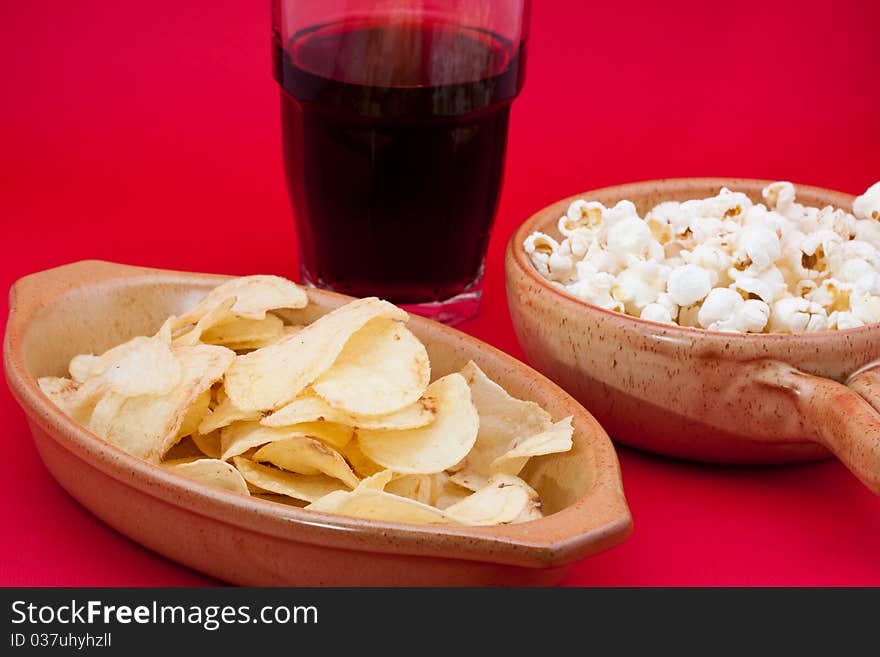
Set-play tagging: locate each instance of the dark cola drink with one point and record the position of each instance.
(394, 137)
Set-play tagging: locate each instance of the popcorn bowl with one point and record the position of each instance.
(698, 394)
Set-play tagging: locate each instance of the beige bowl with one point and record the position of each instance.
(698, 394)
(90, 306)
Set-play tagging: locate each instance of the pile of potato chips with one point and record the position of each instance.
(338, 416)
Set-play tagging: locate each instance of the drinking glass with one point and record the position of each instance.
(394, 118)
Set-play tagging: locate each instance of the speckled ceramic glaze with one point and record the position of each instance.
(90, 306)
(698, 394)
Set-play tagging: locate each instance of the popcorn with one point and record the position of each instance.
(804, 287)
(705, 228)
(842, 320)
(867, 206)
(843, 224)
(578, 245)
(629, 236)
(727, 204)
(817, 244)
(541, 243)
(722, 263)
(623, 210)
(540, 247)
(561, 266)
(711, 257)
(767, 288)
(656, 312)
(861, 275)
(666, 301)
(581, 216)
(752, 316)
(669, 214)
(719, 308)
(597, 291)
(779, 195)
(868, 232)
(689, 284)
(602, 259)
(865, 307)
(759, 246)
(854, 249)
(758, 215)
(725, 310)
(796, 315)
(832, 294)
(639, 285)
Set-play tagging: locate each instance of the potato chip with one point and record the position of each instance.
(331, 502)
(414, 487)
(140, 366)
(310, 408)
(239, 330)
(104, 414)
(308, 488)
(225, 414)
(378, 505)
(469, 479)
(59, 388)
(76, 399)
(87, 366)
(237, 438)
(81, 366)
(251, 345)
(208, 444)
(185, 448)
(166, 331)
(258, 294)
(360, 462)
(376, 481)
(272, 376)
(382, 368)
(146, 367)
(436, 489)
(332, 434)
(215, 315)
(147, 425)
(435, 447)
(445, 492)
(255, 295)
(503, 500)
(212, 472)
(195, 414)
(421, 487)
(555, 439)
(309, 457)
(503, 420)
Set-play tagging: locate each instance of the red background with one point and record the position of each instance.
(148, 133)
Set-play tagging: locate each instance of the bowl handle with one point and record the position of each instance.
(866, 382)
(845, 418)
(33, 291)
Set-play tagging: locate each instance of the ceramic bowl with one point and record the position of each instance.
(696, 394)
(90, 306)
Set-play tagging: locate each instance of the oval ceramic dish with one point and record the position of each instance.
(90, 306)
(696, 394)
